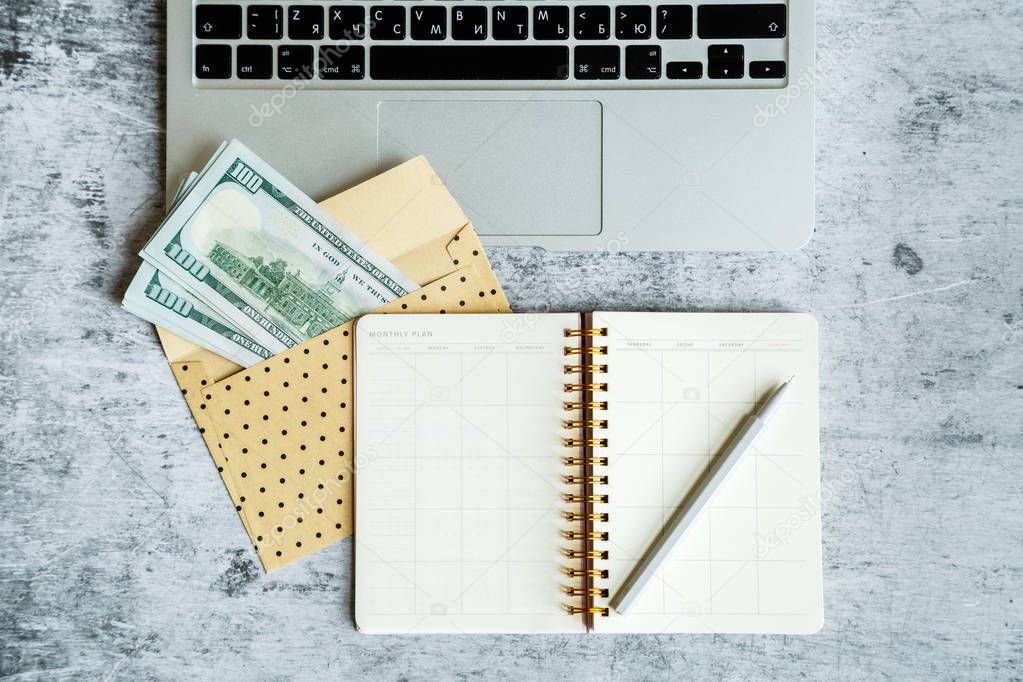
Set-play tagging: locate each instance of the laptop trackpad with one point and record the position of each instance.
(516, 168)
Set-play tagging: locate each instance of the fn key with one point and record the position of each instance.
(213, 61)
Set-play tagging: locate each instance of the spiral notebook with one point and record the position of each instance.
(512, 469)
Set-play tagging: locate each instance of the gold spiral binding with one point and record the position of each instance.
(572, 497)
(576, 610)
(579, 535)
(585, 476)
(584, 423)
(577, 517)
(584, 442)
(573, 388)
(596, 350)
(593, 573)
(586, 553)
(586, 591)
(586, 332)
(580, 461)
(585, 369)
(594, 480)
(585, 405)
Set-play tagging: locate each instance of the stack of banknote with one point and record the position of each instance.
(246, 265)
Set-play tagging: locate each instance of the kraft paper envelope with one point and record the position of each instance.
(280, 432)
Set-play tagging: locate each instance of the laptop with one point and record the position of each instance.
(572, 125)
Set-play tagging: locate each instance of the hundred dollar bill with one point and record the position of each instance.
(155, 299)
(255, 249)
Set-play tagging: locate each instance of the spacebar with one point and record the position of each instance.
(471, 62)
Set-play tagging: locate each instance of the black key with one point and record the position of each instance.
(213, 61)
(305, 22)
(592, 22)
(674, 22)
(266, 22)
(725, 53)
(642, 62)
(295, 61)
(347, 22)
(218, 22)
(632, 22)
(255, 61)
(387, 22)
(740, 21)
(511, 23)
(469, 23)
(725, 61)
(468, 62)
(550, 22)
(767, 69)
(724, 69)
(429, 23)
(343, 62)
(684, 70)
(597, 62)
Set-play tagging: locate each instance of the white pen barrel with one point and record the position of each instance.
(686, 514)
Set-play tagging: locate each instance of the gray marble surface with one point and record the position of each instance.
(122, 557)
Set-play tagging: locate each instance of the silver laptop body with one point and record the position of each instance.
(582, 126)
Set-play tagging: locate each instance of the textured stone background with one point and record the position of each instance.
(122, 558)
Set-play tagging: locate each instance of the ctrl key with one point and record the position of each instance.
(597, 62)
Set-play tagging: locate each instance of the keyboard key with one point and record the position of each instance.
(387, 22)
(725, 53)
(255, 61)
(295, 61)
(767, 69)
(347, 22)
(266, 22)
(469, 23)
(218, 22)
(674, 22)
(684, 70)
(632, 22)
(724, 69)
(305, 22)
(597, 62)
(740, 21)
(429, 23)
(213, 61)
(468, 62)
(343, 62)
(511, 23)
(642, 62)
(550, 22)
(592, 22)
(725, 61)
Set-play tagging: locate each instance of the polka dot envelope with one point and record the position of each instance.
(280, 432)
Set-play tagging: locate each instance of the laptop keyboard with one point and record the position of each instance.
(483, 43)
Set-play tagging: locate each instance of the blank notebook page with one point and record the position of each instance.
(679, 384)
(458, 481)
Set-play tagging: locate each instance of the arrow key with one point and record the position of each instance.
(684, 70)
(725, 61)
(724, 69)
(767, 69)
(725, 53)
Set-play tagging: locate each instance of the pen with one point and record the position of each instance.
(696, 501)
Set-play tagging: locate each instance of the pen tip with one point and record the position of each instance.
(789, 380)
